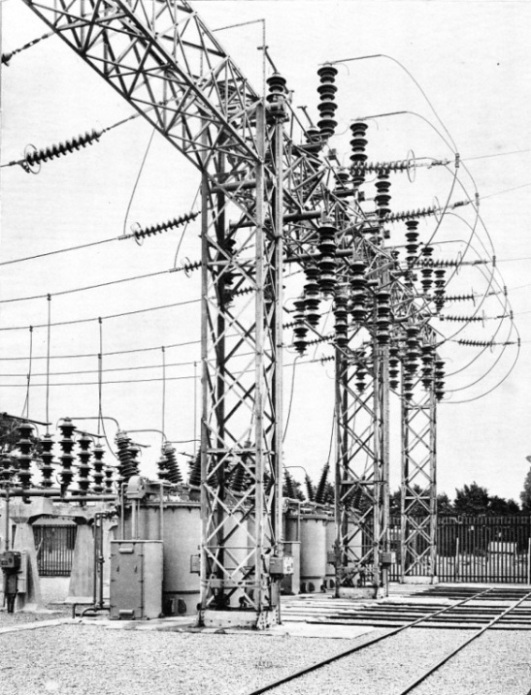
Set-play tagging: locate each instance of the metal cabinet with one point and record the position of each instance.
(136, 579)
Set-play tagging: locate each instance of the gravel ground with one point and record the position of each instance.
(91, 660)
(497, 664)
(51, 613)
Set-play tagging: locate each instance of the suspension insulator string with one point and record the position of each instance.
(142, 232)
(33, 157)
(6, 57)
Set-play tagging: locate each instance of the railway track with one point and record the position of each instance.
(494, 614)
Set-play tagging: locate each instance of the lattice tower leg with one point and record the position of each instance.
(418, 504)
(241, 401)
(362, 468)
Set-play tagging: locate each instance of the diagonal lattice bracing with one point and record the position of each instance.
(418, 488)
(361, 474)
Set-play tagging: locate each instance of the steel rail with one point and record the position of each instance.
(352, 650)
(461, 646)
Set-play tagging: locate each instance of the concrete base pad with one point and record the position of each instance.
(360, 592)
(240, 619)
(421, 580)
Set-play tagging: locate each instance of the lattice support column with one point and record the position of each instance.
(419, 485)
(242, 389)
(362, 466)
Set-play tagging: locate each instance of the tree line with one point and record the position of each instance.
(469, 500)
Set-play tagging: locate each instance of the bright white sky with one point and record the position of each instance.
(473, 60)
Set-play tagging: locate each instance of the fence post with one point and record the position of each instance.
(529, 559)
(456, 563)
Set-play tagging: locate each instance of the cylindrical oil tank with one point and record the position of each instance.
(181, 534)
(291, 520)
(313, 551)
(330, 578)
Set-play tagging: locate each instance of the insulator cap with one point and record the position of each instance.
(67, 427)
(327, 73)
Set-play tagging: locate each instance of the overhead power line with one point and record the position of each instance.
(103, 318)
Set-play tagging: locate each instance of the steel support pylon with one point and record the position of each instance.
(362, 476)
(418, 503)
(242, 391)
(162, 59)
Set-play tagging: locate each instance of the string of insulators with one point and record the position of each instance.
(341, 317)
(238, 480)
(464, 319)
(143, 232)
(300, 329)
(427, 354)
(484, 343)
(311, 296)
(358, 284)
(412, 241)
(320, 491)
(63, 148)
(438, 263)
(439, 378)
(127, 454)
(412, 353)
(383, 317)
(410, 214)
(6, 57)
(360, 375)
(109, 478)
(407, 386)
(460, 298)
(195, 471)
(382, 197)
(162, 467)
(67, 444)
(327, 106)
(395, 165)
(98, 464)
(174, 474)
(47, 467)
(427, 269)
(358, 143)
(439, 293)
(83, 467)
(327, 258)
(277, 97)
(394, 366)
(24, 459)
(6, 470)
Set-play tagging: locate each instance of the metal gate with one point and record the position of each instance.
(477, 549)
(55, 540)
